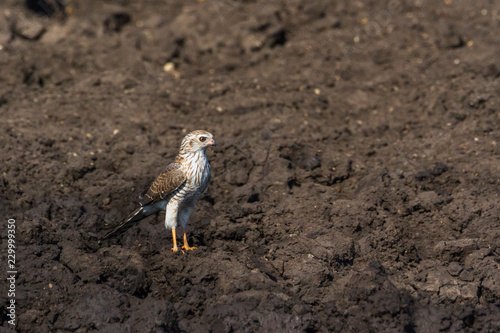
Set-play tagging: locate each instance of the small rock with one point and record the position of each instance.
(466, 276)
(472, 259)
(454, 269)
(28, 29)
(429, 174)
(451, 250)
(169, 67)
(491, 287)
(251, 43)
(468, 290)
(450, 292)
(424, 201)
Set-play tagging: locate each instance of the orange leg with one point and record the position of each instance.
(186, 245)
(175, 249)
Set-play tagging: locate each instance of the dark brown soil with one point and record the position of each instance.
(355, 182)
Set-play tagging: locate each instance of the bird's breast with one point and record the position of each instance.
(197, 170)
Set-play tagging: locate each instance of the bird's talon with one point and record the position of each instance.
(189, 248)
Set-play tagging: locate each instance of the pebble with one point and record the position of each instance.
(28, 29)
(454, 268)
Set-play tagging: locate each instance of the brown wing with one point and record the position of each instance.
(166, 183)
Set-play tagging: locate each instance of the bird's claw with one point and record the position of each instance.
(189, 248)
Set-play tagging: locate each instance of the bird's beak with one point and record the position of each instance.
(210, 143)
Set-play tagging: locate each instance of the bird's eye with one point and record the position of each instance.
(203, 139)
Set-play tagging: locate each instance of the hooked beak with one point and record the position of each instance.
(210, 143)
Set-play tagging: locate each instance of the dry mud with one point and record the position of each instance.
(355, 180)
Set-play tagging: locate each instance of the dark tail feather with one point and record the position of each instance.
(135, 216)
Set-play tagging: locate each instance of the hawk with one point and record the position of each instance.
(177, 189)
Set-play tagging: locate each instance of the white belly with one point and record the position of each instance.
(179, 208)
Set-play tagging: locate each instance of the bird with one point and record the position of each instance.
(177, 189)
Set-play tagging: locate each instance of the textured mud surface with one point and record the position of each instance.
(355, 180)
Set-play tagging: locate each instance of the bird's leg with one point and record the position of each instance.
(186, 245)
(174, 238)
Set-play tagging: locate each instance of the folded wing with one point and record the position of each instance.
(164, 185)
(171, 179)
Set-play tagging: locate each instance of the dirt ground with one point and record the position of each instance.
(355, 182)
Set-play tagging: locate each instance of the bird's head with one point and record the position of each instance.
(196, 141)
